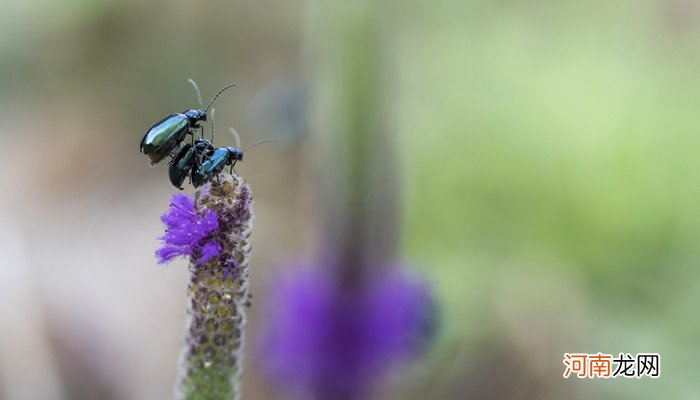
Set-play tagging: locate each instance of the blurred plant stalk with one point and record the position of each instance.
(337, 327)
(354, 135)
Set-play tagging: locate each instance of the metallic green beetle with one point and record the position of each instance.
(165, 136)
(187, 160)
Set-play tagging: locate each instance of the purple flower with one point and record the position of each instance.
(188, 233)
(330, 342)
(209, 250)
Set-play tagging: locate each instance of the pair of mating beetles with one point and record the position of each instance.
(199, 160)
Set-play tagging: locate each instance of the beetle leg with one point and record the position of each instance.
(233, 164)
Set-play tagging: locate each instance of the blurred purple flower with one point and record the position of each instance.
(188, 233)
(330, 342)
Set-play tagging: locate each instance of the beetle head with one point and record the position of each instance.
(235, 154)
(196, 115)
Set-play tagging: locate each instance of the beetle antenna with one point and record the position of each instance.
(212, 125)
(235, 135)
(217, 95)
(257, 143)
(196, 89)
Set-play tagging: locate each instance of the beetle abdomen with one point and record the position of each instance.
(164, 136)
(181, 165)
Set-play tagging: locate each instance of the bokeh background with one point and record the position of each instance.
(550, 186)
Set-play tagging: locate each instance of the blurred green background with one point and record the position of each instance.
(549, 168)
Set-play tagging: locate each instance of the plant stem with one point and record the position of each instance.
(218, 294)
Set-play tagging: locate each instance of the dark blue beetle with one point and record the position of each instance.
(218, 159)
(164, 137)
